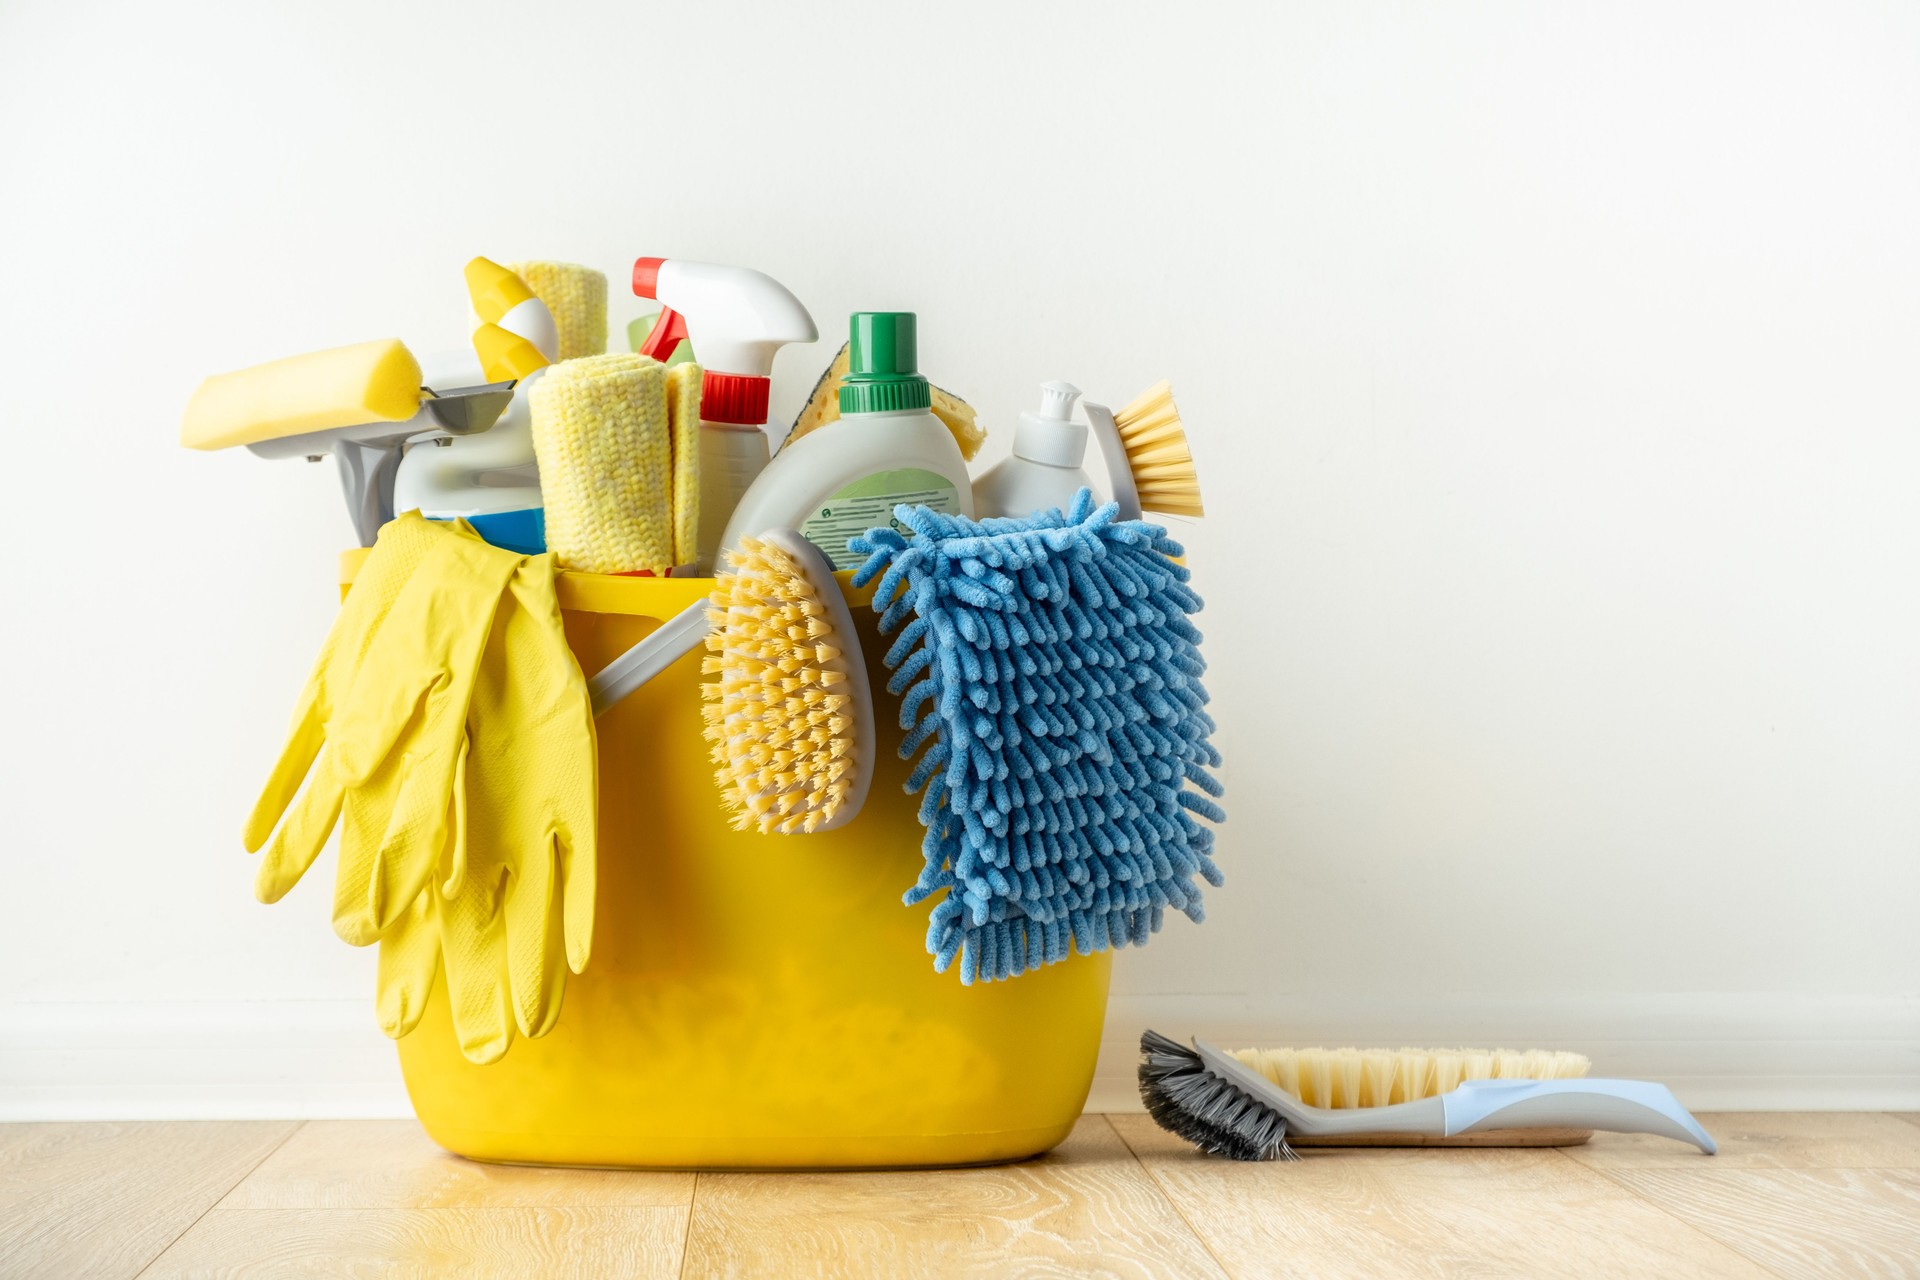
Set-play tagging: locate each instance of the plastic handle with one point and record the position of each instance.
(1617, 1106)
(666, 645)
(667, 333)
(1113, 451)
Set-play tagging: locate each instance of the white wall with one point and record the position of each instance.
(1551, 374)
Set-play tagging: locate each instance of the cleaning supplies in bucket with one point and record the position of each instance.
(446, 730)
(1044, 469)
(1049, 675)
(736, 320)
(1225, 1107)
(887, 448)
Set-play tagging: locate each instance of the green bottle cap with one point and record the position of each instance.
(883, 368)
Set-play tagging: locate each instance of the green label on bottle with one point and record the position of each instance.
(869, 501)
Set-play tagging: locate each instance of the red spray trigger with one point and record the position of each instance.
(668, 330)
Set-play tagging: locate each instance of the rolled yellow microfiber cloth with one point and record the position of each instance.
(577, 296)
(602, 436)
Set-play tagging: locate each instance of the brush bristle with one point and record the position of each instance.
(1158, 454)
(780, 733)
(1190, 1102)
(1340, 1078)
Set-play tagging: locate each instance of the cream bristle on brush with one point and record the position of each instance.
(1145, 450)
(603, 440)
(1355, 1078)
(789, 712)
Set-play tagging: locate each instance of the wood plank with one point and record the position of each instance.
(393, 1164)
(1825, 1223)
(1384, 1212)
(1769, 1140)
(1085, 1208)
(101, 1200)
(474, 1244)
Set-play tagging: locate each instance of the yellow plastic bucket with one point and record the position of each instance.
(756, 1001)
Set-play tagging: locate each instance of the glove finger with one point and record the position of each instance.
(301, 837)
(473, 951)
(409, 959)
(303, 745)
(453, 866)
(535, 951)
(574, 849)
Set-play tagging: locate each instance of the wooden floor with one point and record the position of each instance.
(1833, 1194)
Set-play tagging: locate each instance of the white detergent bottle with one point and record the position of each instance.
(1044, 470)
(886, 448)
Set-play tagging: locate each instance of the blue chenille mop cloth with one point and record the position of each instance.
(1049, 670)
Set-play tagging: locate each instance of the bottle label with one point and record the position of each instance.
(868, 502)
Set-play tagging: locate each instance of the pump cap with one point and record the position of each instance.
(1051, 436)
(883, 366)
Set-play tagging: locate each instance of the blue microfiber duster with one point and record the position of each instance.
(1063, 723)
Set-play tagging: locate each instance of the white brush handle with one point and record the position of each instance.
(664, 646)
(1616, 1106)
(1113, 451)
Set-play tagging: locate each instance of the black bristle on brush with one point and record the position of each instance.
(1190, 1102)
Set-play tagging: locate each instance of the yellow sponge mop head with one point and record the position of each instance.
(600, 432)
(341, 387)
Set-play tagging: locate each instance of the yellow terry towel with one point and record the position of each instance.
(601, 433)
(683, 415)
(577, 296)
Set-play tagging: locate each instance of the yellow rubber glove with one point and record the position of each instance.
(517, 912)
(403, 543)
(392, 745)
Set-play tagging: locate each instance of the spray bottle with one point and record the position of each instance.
(1044, 470)
(735, 319)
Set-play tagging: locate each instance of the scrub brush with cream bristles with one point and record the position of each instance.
(1148, 461)
(789, 712)
(1255, 1104)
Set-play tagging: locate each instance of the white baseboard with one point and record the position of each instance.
(198, 1061)
(328, 1058)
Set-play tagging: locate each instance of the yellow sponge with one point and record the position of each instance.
(577, 296)
(341, 387)
(823, 406)
(683, 420)
(600, 432)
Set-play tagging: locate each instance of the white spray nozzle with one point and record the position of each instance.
(736, 317)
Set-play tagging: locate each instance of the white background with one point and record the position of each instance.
(1551, 371)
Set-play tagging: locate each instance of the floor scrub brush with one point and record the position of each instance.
(790, 712)
(1224, 1106)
